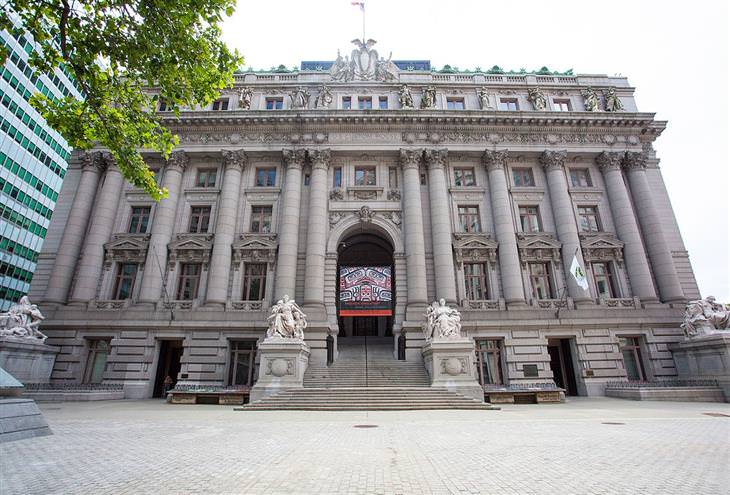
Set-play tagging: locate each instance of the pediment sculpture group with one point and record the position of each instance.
(705, 317)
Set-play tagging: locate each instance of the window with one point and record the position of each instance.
(265, 177)
(163, 106)
(509, 104)
(489, 361)
(364, 103)
(307, 179)
(530, 219)
(96, 361)
(464, 177)
(274, 103)
(188, 281)
(243, 359)
(199, 219)
(393, 178)
(631, 349)
(383, 103)
(475, 276)
(422, 178)
(221, 104)
(365, 176)
(603, 277)
(139, 220)
(523, 177)
(540, 280)
(205, 177)
(580, 177)
(561, 105)
(337, 177)
(261, 219)
(254, 281)
(455, 103)
(588, 219)
(124, 282)
(346, 102)
(469, 219)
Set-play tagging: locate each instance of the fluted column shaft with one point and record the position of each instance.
(103, 216)
(73, 234)
(413, 226)
(443, 258)
(286, 261)
(316, 228)
(504, 228)
(161, 232)
(637, 266)
(225, 227)
(660, 255)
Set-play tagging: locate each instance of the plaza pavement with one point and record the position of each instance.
(151, 447)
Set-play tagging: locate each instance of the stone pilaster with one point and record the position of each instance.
(413, 226)
(565, 222)
(317, 226)
(103, 215)
(660, 255)
(443, 258)
(225, 227)
(73, 235)
(513, 291)
(163, 225)
(286, 262)
(637, 265)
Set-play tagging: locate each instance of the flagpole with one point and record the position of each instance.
(362, 7)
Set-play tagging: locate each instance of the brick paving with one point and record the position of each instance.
(151, 447)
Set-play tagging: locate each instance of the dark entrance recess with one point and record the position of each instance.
(168, 364)
(561, 363)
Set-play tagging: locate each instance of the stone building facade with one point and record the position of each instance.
(479, 188)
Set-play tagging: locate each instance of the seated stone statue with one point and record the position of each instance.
(22, 320)
(442, 322)
(705, 317)
(286, 321)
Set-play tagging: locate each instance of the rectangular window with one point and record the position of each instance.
(188, 281)
(580, 177)
(530, 219)
(364, 103)
(464, 176)
(139, 220)
(631, 350)
(455, 103)
(254, 281)
(163, 106)
(205, 177)
(383, 103)
(337, 177)
(393, 178)
(221, 104)
(243, 362)
(523, 177)
(274, 103)
(469, 219)
(199, 219)
(588, 219)
(346, 103)
(265, 177)
(422, 178)
(489, 361)
(540, 280)
(261, 219)
(475, 276)
(124, 282)
(509, 104)
(96, 361)
(603, 276)
(365, 176)
(561, 105)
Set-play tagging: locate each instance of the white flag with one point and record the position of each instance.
(578, 274)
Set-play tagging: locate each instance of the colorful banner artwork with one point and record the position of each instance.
(366, 291)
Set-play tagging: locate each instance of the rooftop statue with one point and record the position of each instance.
(22, 320)
(244, 98)
(324, 98)
(363, 64)
(590, 100)
(705, 317)
(299, 97)
(286, 321)
(612, 101)
(537, 98)
(405, 98)
(442, 322)
(428, 100)
(484, 99)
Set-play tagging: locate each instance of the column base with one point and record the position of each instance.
(450, 365)
(283, 363)
(516, 303)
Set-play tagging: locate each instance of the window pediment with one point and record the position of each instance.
(252, 247)
(538, 246)
(190, 248)
(601, 246)
(126, 248)
(474, 247)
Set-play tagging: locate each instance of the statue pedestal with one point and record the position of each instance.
(28, 359)
(282, 366)
(450, 364)
(704, 358)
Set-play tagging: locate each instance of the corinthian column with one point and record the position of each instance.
(627, 230)
(225, 227)
(504, 227)
(413, 226)
(316, 228)
(73, 234)
(665, 272)
(163, 224)
(443, 258)
(286, 261)
(103, 215)
(565, 224)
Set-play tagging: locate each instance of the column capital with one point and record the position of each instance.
(410, 158)
(178, 161)
(495, 159)
(234, 159)
(320, 158)
(294, 158)
(436, 158)
(553, 160)
(635, 160)
(609, 160)
(94, 161)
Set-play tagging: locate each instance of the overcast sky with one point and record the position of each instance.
(674, 52)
